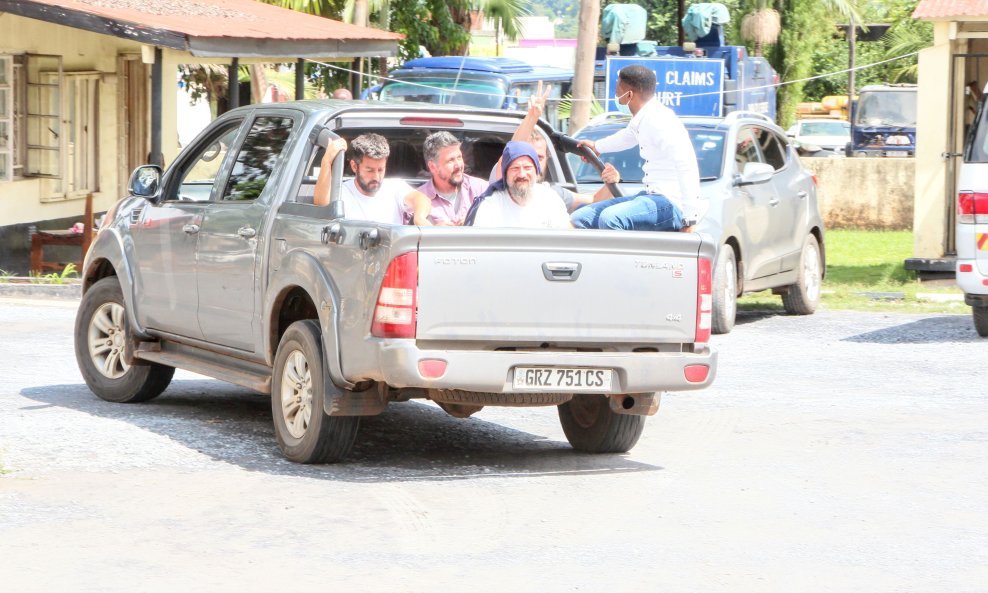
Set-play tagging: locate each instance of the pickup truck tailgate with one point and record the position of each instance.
(527, 286)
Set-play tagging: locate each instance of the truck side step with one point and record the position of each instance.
(236, 371)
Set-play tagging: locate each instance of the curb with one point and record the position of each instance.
(45, 291)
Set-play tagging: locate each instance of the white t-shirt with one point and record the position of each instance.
(670, 165)
(544, 210)
(387, 205)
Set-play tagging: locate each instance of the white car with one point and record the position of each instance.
(763, 211)
(829, 135)
(972, 220)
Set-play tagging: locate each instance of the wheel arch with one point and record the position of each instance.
(735, 244)
(302, 289)
(817, 233)
(108, 257)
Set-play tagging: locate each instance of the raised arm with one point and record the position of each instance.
(325, 180)
(536, 107)
(421, 207)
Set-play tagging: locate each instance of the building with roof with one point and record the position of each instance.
(88, 91)
(953, 73)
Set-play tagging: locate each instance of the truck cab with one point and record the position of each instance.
(884, 121)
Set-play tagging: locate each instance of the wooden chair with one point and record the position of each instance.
(41, 239)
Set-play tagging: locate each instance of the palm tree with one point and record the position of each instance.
(506, 15)
(907, 37)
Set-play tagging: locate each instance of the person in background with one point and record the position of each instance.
(369, 195)
(451, 190)
(670, 200)
(342, 93)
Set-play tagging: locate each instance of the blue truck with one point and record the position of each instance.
(705, 78)
(883, 122)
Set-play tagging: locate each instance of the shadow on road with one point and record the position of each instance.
(931, 330)
(410, 441)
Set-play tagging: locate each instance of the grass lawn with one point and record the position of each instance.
(870, 262)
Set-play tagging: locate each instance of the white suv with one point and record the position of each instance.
(972, 220)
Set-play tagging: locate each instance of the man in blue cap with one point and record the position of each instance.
(518, 199)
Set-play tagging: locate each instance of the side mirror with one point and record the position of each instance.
(808, 149)
(755, 173)
(145, 181)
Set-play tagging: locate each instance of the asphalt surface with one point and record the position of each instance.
(844, 451)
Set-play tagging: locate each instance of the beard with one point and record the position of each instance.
(455, 178)
(370, 187)
(519, 189)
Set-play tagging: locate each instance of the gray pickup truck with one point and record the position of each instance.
(223, 266)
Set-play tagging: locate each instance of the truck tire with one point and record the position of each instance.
(803, 297)
(980, 315)
(725, 291)
(100, 335)
(305, 433)
(591, 426)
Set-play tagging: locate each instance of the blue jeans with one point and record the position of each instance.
(640, 212)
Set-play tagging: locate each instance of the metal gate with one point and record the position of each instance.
(967, 79)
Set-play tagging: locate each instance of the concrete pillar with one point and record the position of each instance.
(933, 95)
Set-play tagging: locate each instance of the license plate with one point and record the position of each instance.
(562, 379)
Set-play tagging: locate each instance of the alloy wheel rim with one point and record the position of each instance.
(106, 341)
(296, 394)
(730, 289)
(811, 270)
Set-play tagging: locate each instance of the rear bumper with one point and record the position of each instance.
(493, 371)
(973, 283)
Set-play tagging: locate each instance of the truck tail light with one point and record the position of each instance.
(704, 300)
(972, 207)
(394, 315)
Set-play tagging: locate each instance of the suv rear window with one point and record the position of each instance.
(977, 140)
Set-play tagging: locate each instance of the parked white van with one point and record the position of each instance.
(972, 219)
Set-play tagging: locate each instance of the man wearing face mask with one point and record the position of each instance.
(670, 201)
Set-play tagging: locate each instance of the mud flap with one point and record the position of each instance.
(343, 402)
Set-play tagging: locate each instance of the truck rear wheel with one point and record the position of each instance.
(100, 336)
(305, 433)
(980, 315)
(803, 297)
(591, 426)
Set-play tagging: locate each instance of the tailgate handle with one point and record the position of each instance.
(561, 271)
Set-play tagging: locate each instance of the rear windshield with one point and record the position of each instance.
(488, 95)
(977, 141)
(708, 145)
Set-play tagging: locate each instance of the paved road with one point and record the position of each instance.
(839, 452)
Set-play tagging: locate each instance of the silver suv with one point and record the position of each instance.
(763, 209)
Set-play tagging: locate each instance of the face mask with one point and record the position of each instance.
(623, 107)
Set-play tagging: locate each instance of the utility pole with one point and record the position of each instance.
(586, 49)
(852, 37)
(681, 12)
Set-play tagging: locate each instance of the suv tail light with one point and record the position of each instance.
(394, 315)
(972, 207)
(704, 300)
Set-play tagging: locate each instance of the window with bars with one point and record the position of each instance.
(49, 123)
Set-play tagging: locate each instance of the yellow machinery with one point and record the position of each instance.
(831, 106)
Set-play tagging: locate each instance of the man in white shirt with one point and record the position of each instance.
(518, 199)
(369, 196)
(670, 201)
